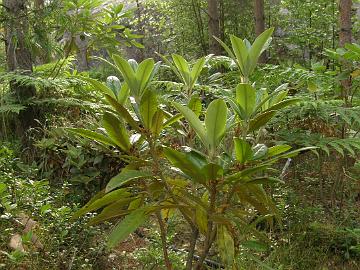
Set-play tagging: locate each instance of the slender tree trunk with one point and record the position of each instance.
(260, 23)
(345, 36)
(214, 26)
(200, 26)
(18, 57)
(345, 22)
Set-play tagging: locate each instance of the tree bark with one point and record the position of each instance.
(259, 23)
(214, 27)
(345, 22)
(345, 36)
(18, 57)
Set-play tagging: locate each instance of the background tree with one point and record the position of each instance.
(259, 22)
(345, 36)
(18, 56)
(214, 26)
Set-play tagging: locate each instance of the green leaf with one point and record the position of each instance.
(196, 70)
(144, 73)
(123, 94)
(173, 119)
(183, 68)
(195, 104)
(128, 225)
(284, 104)
(255, 245)
(116, 131)
(241, 53)
(185, 163)
(277, 92)
(103, 201)
(257, 48)
(278, 97)
(212, 171)
(278, 149)
(201, 219)
(215, 122)
(227, 49)
(123, 113)
(259, 150)
(127, 73)
(260, 120)
(116, 209)
(92, 135)
(194, 122)
(243, 151)
(148, 108)
(226, 245)
(289, 154)
(246, 172)
(246, 98)
(99, 86)
(124, 177)
(157, 122)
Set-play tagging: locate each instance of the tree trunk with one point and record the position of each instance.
(345, 22)
(260, 23)
(82, 42)
(214, 27)
(18, 57)
(345, 37)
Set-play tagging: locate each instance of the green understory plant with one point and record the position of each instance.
(215, 180)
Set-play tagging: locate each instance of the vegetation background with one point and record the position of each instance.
(229, 139)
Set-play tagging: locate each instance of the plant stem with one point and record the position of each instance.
(211, 232)
(190, 258)
(163, 240)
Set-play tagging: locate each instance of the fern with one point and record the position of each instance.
(349, 146)
(11, 108)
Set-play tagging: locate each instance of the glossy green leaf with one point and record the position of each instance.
(246, 98)
(186, 164)
(196, 70)
(246, 172)
(116, 209)
(148, 108)
(226, 246)
(194, 122)
(212, 171)
(116, 131)
(215, 122)
(284, 103)
(260, 151)
(195, 104)
(103, 201)
(127, 72)
(260, 120)
(99, 86)
(124, 113)
(123, 94)
(173, 119)
(143, 74)
(241, 53)
(128, 225)
(157, 122)
(243, 151)
(227, 49)
(124, 177)
(257, 48)
(92, 135)
(183, 68)
(278, 149)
